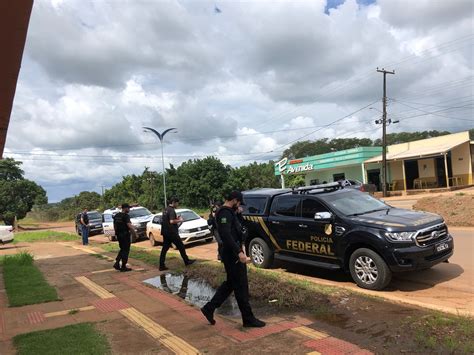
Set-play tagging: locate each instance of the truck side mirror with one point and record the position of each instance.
(323, 216)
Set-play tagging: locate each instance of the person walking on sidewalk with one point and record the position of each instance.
(235, 263)
(170, 231)
(123, 230)
(85, 227)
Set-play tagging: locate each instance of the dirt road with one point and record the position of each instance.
(447, 287)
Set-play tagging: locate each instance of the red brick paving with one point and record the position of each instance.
(222, 326)
(35, 318)
(110, 304)
(334, 346)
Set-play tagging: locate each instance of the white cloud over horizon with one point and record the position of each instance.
(94, 73)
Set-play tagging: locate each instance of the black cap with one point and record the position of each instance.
(235, 195)
(125, 205)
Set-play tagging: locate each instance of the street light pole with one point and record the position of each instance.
(161, 137)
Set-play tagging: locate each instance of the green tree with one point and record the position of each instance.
(17, 194)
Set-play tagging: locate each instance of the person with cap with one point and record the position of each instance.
(84, 221)
(170, 231)
(123, 230)
(235, 263)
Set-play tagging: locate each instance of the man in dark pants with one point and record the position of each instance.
(85, 227)
(123, 228)
(235, 263)
(170, 231)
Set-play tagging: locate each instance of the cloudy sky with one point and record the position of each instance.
(239, 80)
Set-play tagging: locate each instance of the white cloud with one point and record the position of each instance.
(94, 73)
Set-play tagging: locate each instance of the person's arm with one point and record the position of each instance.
(224, 228)
(175, 219)
(130, 227)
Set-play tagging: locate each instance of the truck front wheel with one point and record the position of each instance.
(260, 253)
(369, 270)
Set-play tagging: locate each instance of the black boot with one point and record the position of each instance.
(208, 314)
(255, 323)
(117, 265)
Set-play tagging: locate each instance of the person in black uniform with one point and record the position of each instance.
(170, 231)
(123, 228)
(235, 261)
(212, 223)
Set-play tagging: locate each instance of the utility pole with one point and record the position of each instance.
(384, 130)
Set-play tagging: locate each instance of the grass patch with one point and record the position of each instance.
(24, 282)
(44, 236)
(73, 339)
(437, 330)
(73, 311)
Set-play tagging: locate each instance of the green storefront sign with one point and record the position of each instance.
(341, 158)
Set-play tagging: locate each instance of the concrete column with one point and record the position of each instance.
(446, 168)
(282, 181)
(364, 176)
(404, 176)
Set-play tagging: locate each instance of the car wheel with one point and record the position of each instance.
(153, 242)
(78, 231)
(112, 238)
(369, 270)
(260, 253)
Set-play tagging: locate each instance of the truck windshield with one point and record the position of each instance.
(352, 203)
(139, 212)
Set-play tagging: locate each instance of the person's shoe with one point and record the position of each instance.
(209, 315)
(256, 323)
(117, 266)
(163, 268)
(190, 262)
(125, 269)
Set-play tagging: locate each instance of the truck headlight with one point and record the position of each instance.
(136, 225)
(184, 231)
(400, 236)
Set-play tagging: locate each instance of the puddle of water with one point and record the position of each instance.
(196, 292)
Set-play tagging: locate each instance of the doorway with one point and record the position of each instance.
(441, 171)
(411, 172)
(373, 177)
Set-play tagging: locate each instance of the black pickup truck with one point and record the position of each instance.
(332, 227)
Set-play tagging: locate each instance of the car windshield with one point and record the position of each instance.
(352, 203)
(188, 216)
(139, 212)
(94, 215)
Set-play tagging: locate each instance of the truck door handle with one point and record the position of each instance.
(275, 222)
(303, 225)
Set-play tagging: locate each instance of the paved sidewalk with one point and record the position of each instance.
(140, 319)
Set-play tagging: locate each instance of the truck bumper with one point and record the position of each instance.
(418, 258)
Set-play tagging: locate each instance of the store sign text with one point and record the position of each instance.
(286, 168)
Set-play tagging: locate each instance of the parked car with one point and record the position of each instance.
(6, 234)
(139, 216)
(332, 227)
(193, 229)
(95, 221)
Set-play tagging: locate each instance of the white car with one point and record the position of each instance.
(6, 234)
(193, 229)
(139, 216)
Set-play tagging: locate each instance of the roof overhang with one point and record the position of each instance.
(419, 152)
(14, 19)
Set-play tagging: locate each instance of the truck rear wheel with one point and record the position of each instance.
(260, 253)
(369, 270)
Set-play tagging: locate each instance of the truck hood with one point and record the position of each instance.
(142, 219)
(398, 219)
(196, 223)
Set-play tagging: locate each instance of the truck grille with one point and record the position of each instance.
(431, 235)
(193, 230)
